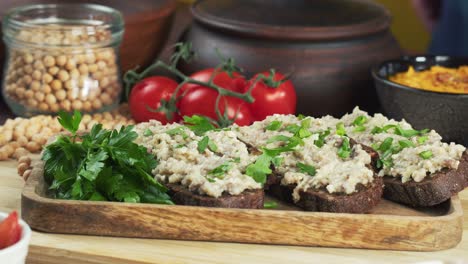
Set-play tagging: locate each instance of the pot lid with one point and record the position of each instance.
(294, 19)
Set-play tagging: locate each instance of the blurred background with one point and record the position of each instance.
(153, 26)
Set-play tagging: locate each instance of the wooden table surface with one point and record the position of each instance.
(53, 248)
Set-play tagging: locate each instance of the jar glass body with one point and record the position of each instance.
(62, 57)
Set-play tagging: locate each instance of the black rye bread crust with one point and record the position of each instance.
(321, 200)
(433, 190)
(252, 199)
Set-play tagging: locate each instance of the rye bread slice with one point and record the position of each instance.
(321, 200)
(433, 190)
(248, 199)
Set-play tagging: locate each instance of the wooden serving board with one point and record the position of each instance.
(390, 226)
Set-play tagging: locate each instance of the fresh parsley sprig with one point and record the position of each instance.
(103, 165)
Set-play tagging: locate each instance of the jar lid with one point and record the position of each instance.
(294, 19)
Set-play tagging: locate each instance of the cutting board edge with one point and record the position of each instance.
(390, 232)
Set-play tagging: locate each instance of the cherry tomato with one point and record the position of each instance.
(270, 100)
(222, 79)
(147, 95)
(202, 100)
(10, 230)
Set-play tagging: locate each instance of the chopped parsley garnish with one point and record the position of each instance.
(409, 132)
(386, 149)
(147, 133)
(422, 139)
(398, 130)
(321, 140)
(274, 125)
(206, 142)
(277, 161)
(220, 170)
(426, 154)
(104, 165)
(261, 167)
(360, 120)
(304, 168)
(386, 144)
(359, 129)
(236, 160)
(359, 123)
(270, 205)
(179, 146)
(406, 143)
(278, 138)
(345, 149)
(292, 128)
(340, 129)
(177, 131)
(301, 116)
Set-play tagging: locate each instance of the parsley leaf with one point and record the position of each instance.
(206, 142)
(220, 170)
(426, 154)
(304, 168)
(340, 129)
(270, 205)
(360, 120)
(293, 128)
(199, 124)
(212, 146)
(177, 131)
(274, 125)
(203, 144)
(409, 132)
(406, 143)
(278, 138)
(359, 129)
(345, 149)
(386, 144)
(147, 133)
(398, 130)
(277, 161)
(422, 139)
(260, 168)
(321, 140)
(69, 122)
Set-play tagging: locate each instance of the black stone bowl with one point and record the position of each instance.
(444, 112)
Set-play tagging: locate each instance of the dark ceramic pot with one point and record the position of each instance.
(328, 45)
(445, 113)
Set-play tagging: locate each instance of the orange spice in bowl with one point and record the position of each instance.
(436, 79)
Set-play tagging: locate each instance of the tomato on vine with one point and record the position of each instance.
(202, 101)
(148, 100)
(273, 94)
(197, 99)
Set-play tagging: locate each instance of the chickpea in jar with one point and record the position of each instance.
(53, 67)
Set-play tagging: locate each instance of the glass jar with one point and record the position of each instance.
(62, 57)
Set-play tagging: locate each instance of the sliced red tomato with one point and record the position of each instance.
(146, 97)
(10, 230)
(271, 100)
